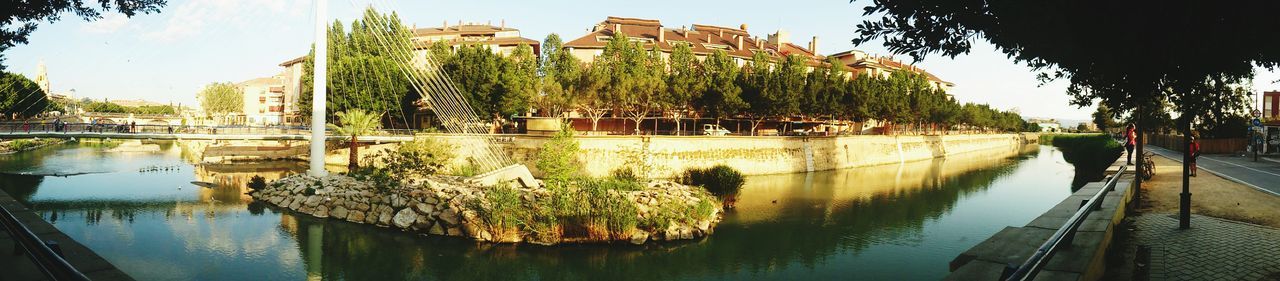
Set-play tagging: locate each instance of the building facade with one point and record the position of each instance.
(264, 100)
(859, 63)
(702, 39)
(501, 39)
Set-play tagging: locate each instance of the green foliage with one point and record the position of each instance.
(257, 183)
(1090, 154)
(1104, 118)
(720, 180)
(355, 123)
(109, 107)
(722, 96)
(221, 98)
(420, 157)
(495, 86)
(366, 68)
(558, 157)
(20, 96)
(20, 17)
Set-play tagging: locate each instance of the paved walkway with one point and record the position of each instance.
(20, 267)
(1213, 249)
(1261, 175)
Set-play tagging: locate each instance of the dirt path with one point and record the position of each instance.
(1210, 195)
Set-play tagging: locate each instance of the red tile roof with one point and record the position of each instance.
(703, 39)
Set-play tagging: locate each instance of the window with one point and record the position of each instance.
(1267, 107)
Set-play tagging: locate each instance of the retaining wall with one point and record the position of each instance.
(752, 155)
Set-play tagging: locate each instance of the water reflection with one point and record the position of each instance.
(893, 221)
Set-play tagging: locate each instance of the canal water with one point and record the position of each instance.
(892, 222)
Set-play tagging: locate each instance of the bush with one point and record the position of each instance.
(720, 180)
(558, 157)
(420, 157)
(257, 183)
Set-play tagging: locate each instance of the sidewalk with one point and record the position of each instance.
(1234, 235)
(1263, 175)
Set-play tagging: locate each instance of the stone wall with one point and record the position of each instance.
(672, 155)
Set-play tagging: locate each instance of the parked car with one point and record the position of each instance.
(713, 130)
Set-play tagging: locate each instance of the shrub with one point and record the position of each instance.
(558, 157)
(257, 183)
(720, 180)
(624, 174)
(502, 209)
(420, 157)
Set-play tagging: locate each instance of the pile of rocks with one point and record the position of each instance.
(438, 205)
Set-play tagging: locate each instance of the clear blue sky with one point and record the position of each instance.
(167, 57)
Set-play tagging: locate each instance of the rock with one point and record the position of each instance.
(372, 217)
(384, 216)
(313, 200)
(436, 230)
(449, 216)
(338, 212)
(295, 204)
(454, 231)
(424, 208)
(337, 202)
(362, 207)
(275, 200)
(321, 212)
(639, 237)
(431, 199)
(423, 222)
(305, 209)
(285, 202)
(355, 216)
(404, 218)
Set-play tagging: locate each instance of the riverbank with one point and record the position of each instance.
(17, 266)
(448, 206)
(20, 145)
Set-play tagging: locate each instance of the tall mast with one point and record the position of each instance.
(320, 76)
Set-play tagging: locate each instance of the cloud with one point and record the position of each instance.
(107, 24)
(195, 17)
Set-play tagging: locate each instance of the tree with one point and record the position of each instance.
(634, 76)
(20, 97)
(518, 85)
(20, 18)
(367, 68)
(221, 98)
(1104, 119)
(559, 73)
(353, 124)
(722, 96)
(685, 83)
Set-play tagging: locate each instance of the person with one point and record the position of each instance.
(133, 126)
(1195, 153)
(1130, 141)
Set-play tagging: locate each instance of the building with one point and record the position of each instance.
(42, 78)
(859, 63)
(1047, 125)
(264, 100)
(702, 39)
(292, 75)
(501, 39)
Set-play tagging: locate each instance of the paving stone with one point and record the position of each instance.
(1213, 249)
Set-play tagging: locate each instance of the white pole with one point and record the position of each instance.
(317, 97)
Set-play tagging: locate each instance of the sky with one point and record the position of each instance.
(167, 57)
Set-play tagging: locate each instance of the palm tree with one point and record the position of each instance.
(355, 122)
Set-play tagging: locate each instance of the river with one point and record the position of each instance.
(892, 222)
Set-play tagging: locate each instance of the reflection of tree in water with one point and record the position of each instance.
(20, 187)
(813, 230)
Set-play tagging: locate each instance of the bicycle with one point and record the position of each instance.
(1148, 166)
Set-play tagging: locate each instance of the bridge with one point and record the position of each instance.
(15, 130)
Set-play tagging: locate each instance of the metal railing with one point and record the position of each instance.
(46, 255)
(1063, 237)
(17, 127)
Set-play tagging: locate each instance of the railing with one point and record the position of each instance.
(1062, 238)
(16, 127)
(46, 255)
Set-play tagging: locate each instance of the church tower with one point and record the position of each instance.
(42, 78)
